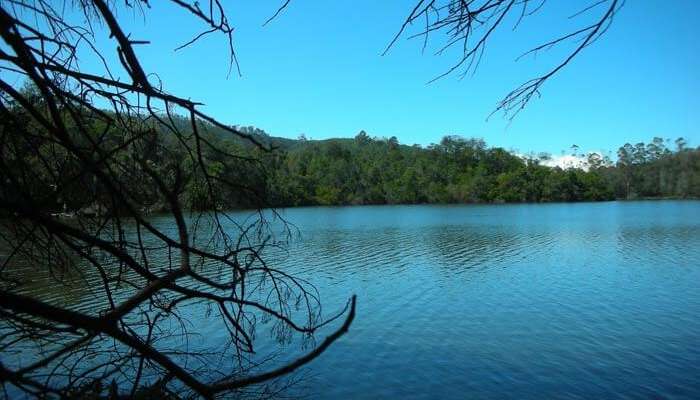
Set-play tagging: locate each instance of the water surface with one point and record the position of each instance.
(565, 301)
(594, 300)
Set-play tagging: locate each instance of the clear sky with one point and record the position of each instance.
(317, 70)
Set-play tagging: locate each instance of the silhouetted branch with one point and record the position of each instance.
(470, 25)
(84, 155)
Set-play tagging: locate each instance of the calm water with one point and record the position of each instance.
(516, 301)
(596, 300)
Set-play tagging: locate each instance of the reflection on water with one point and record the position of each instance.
(516, 301)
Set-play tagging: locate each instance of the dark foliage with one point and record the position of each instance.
(78, 182)
(458, 170)
(371, 170)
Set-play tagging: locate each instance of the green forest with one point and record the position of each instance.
(350, 171)
(367, 170)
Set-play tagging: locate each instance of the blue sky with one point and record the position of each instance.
(317, 70)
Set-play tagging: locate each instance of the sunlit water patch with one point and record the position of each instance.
(574, 301)
(515, 301)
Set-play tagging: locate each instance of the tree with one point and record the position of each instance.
(656, 149)
(362, 138)
(393, 143)
(468, 26)
(574, 150)
(680, 144)
(624, 163)
(594, 160)
(110, 145)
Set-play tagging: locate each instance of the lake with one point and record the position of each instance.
(587, 300)
(531, 301)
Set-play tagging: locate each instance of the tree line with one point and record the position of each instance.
(363, 170)
(367, 170)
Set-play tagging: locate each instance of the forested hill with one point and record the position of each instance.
(359, 170)
(368, 170)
